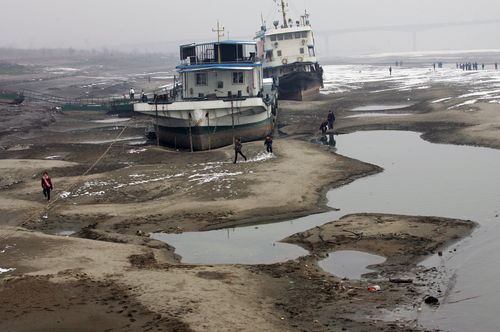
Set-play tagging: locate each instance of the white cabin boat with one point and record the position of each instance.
(221, 95)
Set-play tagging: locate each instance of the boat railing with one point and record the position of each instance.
(194, 60)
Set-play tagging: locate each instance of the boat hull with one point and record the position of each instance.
(301, 86)
(206, 125)
(206, 138)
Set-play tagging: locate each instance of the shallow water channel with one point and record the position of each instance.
(419, 178)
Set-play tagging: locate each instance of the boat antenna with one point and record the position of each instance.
(220, 33)
(283, 9)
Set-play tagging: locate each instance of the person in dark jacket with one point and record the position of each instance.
(237, 150)
(331, 119)
(324, 127)
(269, 144)
(46, 185)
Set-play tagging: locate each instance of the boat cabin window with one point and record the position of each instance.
(279, 53)
(269, 54)
(281, 37)
(311, 51)
(298, 35)
(201, 78)
(238, 77)
(273, 37)
(304, 34)
(288, 36)
(301, 50)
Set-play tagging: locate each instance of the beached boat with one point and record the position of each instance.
(288, 54)
(220, 95)
(11, 98)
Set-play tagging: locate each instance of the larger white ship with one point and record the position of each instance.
(288, 53)
(221, 95)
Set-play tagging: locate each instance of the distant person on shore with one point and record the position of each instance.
(237, 150)
(46, 185)
(269, 144)
(434, 66)
(390, 70)
(132, 93)
(331, 119)
(482, 66)
(323, 127)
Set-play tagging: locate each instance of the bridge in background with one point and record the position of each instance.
(412, 29)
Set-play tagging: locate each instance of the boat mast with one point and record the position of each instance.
(220, 33)
(283, 5)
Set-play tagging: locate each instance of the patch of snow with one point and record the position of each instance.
(2, 270)
(112, 140)
(7, 247)
(112, 120)
(369, 115)
(64, 194)
(441, 100)
(262, 157)
(210, 177)
(136, 151)
(466, 103)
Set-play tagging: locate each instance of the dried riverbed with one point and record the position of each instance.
(140, 189)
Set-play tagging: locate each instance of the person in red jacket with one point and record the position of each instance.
(46, 185)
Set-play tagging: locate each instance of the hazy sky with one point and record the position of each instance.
(140, 24)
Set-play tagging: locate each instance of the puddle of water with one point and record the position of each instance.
(420, 178)
(368, 115)
(218, 247)
(381, 107)
(349, 263)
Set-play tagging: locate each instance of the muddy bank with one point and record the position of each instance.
(150, 189)
(65, 281)
(340, 304)
(431, 112)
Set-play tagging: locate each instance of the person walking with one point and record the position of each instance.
(132, 93)
(269, 144)
(390, 71)
(46, 185)
(237, 150)
(331, 119)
